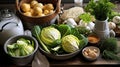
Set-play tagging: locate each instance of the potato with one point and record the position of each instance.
(46, 12)
(48, 6)
(32, 3)
(32, 11)
(28, 14)
(25, 7)
(41, 15)
(51, 11)
(37, 10)
(39, 5)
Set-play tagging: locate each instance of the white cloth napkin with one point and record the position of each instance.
(40, 60)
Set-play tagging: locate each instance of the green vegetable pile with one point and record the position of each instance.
(110, 49)
(59, 39)
(22, 47)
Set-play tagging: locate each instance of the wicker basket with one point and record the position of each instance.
(45, 20)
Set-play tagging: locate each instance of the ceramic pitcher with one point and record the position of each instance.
(102, 29)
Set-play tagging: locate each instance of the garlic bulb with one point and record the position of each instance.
(88, 28)
(111, 25)
(91, 25)
(71, 22)
(84, 24)
(116, 19)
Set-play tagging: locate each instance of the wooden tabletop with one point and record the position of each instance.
(73, 62)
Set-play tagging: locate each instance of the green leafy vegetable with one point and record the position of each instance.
(70, 43)
(36, 31)
(80, 30)
(49, 35)
(83, 41)
(22, 47)
(64, 29)
(75, 42)
(57, 42)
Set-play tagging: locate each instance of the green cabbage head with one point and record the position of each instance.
(49, 35)
(70, 43)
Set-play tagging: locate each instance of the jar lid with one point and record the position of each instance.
(6, 14)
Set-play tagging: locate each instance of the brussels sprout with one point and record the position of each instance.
(70, 43)
(49, 35)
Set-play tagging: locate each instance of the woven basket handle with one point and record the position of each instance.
(17, 5)
(58, 7)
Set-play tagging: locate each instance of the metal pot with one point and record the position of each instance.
(10, 25)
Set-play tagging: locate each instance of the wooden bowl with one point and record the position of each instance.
(34, 20)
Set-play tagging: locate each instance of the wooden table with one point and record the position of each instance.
(76, 61)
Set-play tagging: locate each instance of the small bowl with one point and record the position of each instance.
(93, 39)
(91, 53)
(21, 60)
(59, 57)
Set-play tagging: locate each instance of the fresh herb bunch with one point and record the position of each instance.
(109, 44)
(109, 55)
(110, 49)
(100, 9)
(86, 17)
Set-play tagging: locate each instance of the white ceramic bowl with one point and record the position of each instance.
(91, 53)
